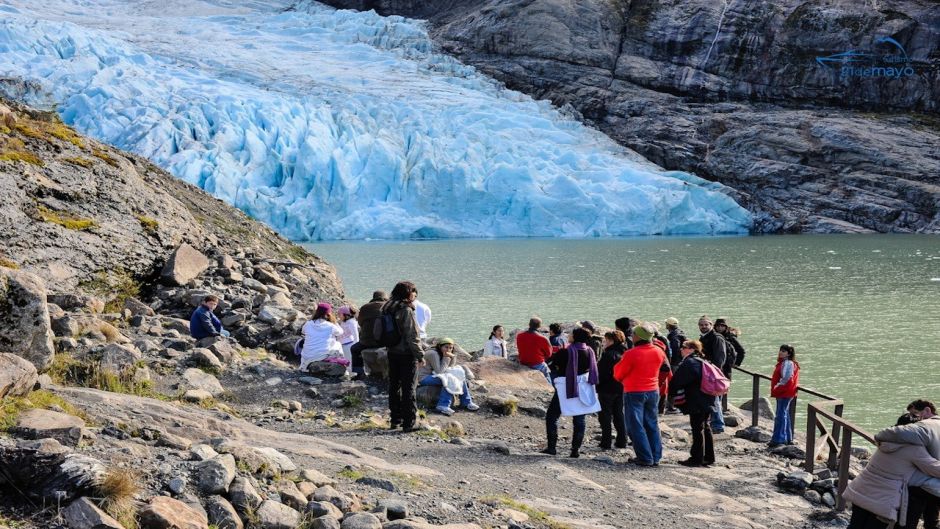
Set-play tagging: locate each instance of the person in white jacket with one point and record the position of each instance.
(350, 327)
(321, 338)
(496, 344)
(423, 317)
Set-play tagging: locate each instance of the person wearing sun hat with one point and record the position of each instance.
(440, 369)
(638, 371)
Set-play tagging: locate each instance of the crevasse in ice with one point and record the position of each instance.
(331, 124)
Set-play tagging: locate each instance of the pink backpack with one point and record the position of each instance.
(714, 382)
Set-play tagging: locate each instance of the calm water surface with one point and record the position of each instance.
(862, 311)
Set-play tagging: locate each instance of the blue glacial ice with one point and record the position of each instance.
(330, 124)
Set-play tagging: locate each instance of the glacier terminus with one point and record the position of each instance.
(331, 124)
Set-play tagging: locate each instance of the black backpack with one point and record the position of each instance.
(386, 330)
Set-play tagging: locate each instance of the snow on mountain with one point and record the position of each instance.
(331, 124)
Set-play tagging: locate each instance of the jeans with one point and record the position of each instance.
(612, 410)
(782, 428)
(640, 412)
(402, 371)
(446, 398)
(718, 417)
(703, 449)
(543, 367)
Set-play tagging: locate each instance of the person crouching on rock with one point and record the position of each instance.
(440, 369)
(321, 338)
(203, 322)
(687, 395)
(569, 363)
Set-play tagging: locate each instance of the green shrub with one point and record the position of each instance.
(66, 220)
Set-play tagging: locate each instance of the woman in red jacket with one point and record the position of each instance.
(783, 386)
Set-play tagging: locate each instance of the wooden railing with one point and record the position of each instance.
(838, 438)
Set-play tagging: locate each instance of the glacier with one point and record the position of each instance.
(332, 124)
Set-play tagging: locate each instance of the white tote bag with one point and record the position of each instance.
(585, 403)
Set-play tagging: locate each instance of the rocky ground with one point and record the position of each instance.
(731, 91)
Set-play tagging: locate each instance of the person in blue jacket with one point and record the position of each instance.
(203, 322)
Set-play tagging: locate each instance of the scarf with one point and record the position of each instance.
(571, 374)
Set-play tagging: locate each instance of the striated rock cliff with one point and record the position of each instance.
(733, 91)
(84, 216)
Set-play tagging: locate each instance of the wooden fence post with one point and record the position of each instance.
(755, 396)
(810, 464)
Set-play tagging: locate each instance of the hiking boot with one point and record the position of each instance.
(472, 407)
(444, 410)
(640, 462)
(691, 463)
(548, 450)
(408, 428)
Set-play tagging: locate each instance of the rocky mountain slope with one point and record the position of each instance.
(733, 92)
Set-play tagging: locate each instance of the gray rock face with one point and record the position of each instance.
(25, 329)
(83, 514)
(48, 471)
(167, 513)
(116, 358)
(764, 408)
(46, 424)
(732, 92)
(222, 514)
(184, 265)
(196, 379)
(273, 515)
(216, 474)
(243, 495)
(361, 520)
(17, 375)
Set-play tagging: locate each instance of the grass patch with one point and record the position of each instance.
(66, 370)
(21, 156)
(6, 263)
(65, 133)
(296, 253)
(352, 401)
(118, 490)
(79, 161)
(104, 157)
(434, 433)
(536, 516)
(351, 474)
(12, 407)
(66, 220)
(148, 224)
(115, 286)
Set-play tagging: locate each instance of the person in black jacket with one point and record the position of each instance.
(676, 338)
(558, 366)
(685, 389)
(714, 349)
(625, 325)
(736, 351)
(404, 357)
(610, 392)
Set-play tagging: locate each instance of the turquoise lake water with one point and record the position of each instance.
(863, 311)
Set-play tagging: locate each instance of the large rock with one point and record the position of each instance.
(83, 514)
(216, 474)
(376, 362)
(222, 514)
(17, 375)
(764, 408)
(273, 515)
(25, 329)
(290, 495)
(49, 472)
(326, 369)
(166, 513)
(361, 520)
(42, 424)
(243, 495)
(184, 265)
(197, 379)
(116, 357)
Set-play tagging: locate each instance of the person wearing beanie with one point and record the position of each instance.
(714, 350)
(534, 349)
(321, 338)
(625, 325)
(368, 313)
(596, 341)
(638, 372)
(440, 369)
(735, 351)
(676, 337)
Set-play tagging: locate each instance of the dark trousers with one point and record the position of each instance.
(612, 409)
(920, 504)
(358, 366)
(551, 424)
(402, 375)
(703, 451)
(863, 519)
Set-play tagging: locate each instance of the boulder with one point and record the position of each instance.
(316, 477)
(83, 514)
(320, 509)
(202, 452)
(427, 396)
(17, 375)
(204, 358)
(278, 460)
(797, 481)
(361, 520)
(196, 379)
(272, 313)
(394, 509)
(166, 513)
(764, 408)
(326, 369)
(77, 302)
(342, 501)
(117, 357)
(25, 329)
(196, 395)
(789, 451)
(753, 433)
(216, 475)
(376, 362)
(243, 495)
(325, 522)
(290, 495)
(48, 471)
(184, 265)
(138, 307)
(221, 513)
(222, 349)
(41, 424)
(273, 515)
